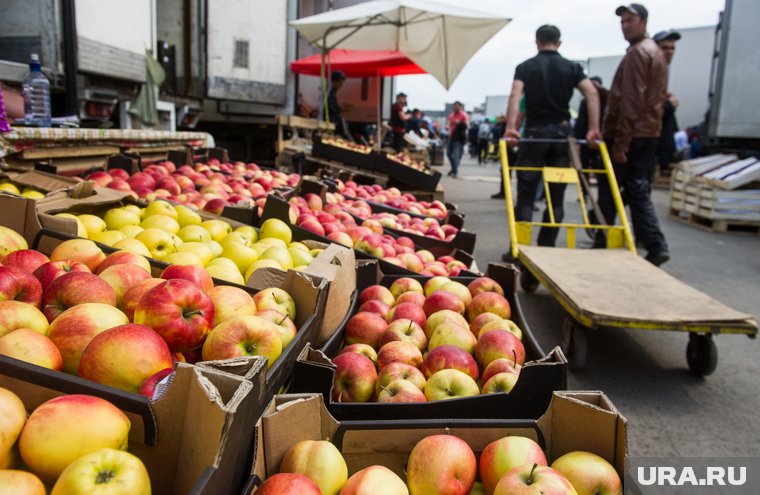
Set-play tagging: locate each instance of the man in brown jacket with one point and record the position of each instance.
(632, 126)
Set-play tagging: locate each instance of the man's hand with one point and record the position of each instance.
(512, 136)
(592, 136)
(673, 100)
(619, 156)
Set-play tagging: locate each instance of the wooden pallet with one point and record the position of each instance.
(716, 225)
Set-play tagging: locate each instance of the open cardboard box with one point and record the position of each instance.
(572, 421)
(542, 374)
(45, 182)
(196, 438)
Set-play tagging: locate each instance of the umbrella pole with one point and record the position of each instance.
(379, 133)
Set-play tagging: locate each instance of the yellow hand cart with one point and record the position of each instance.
(613, 287)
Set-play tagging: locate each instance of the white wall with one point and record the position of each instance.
(690, 74)
(125, 24)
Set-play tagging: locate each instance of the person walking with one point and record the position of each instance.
(484, 132)
(459, 123)
(548, 81)
(666, 145)
(398, 122)
(334, 109)
(632, 128)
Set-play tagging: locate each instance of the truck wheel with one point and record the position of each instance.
(701, 354)
(574, 344)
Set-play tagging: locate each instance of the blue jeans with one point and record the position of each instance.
(456, 148)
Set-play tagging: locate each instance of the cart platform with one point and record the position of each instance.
(612, 288)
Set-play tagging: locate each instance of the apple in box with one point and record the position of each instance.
(355, 378)
(441, 464)
(532, 478)
(450, 384)
(400, 371)
(402, 352)
(243, 336)
(405, 331)
(375, 306)
(363, 349)
(453, 334)
(400, 391)
(489, 302)
(321, 461)
(73, 289)
(32, 347)
(284, 325)
(17, 284)
(440, 300)
(449, 357)
(288, 484)
(407, 311)
(440, 317)
(104, 470)
(498, 344)
(504, 454)
(365, 328)
(121, 278)
(374, 480)
(589, 473)
(501, 365)
(276, 299)
(26, 259)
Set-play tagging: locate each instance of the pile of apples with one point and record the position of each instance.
(339, 226)
(445, 465)
(177, 234)
(209, 187)
(339, 142)
(107, 319)
(415, 343)
(403, 159)
(25, 191)
(390, 197)
(75, 444)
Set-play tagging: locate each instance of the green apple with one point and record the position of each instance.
(277, 299)
(199, 249)
(242, 255)
(131, 230)
(162, 222)
(217, 228)
(315, 252)
(117, 218)
(136, 210)
(450, 384)
(160, 243)
(299, 245)
(237, 238)
(93, 224)
(183, 258)
(272, 241)
(214, 246)
(226, 273)
(276, 228)
(160, 207)
(280, 255)
(194, 233)
(187, 216)
(105, 471)
(248, 231)
(134, 246)
(300, 257)
(108, 237)
(261, 264)
(222, 261)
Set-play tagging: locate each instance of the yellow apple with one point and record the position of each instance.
(187, 216)
(230, 301)
(10, 241)
(276, 228)
(194, 233)
(135, 209)
(131, 230)
(300, 257)
(133, 246)
(217, 228)
(183, 258)
(202, 251)
(226, 273)
(321, 461)
(214, 246)
(104, 472)
(272, 241)
(12, 419)
(160, 243)
(222, 261)
(299, 245)
(93, 224)
(117, 218)
(16, 482)
(10, 188)
(315, 252)
(261, 264)
(237, 238)
(240, 254)
(159, 207)
(81, 230)
(32, 193)
(108, 237)
(249, 232)
(81, 250)
(162, 222)
(280, 255)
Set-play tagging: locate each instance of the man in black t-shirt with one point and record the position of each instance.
(548, 81)
(398, 121)
(334, 109)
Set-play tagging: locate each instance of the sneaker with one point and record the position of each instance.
(498, 195)
(657, 258)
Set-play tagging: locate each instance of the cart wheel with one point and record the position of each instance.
(574, 344)
(701, 354)
(528, 281)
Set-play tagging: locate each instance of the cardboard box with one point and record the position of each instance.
(572, 421)
(43, 181)
(197, 438)
(407, 175)
(343, 155)
(542, 374)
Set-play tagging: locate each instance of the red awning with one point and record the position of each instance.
(358, 63)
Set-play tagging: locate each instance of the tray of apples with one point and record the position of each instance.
(395, 254)
(577, 446)
(77, 308)
(338, 149)
(401, 169)
(434, 347)
(406, 160)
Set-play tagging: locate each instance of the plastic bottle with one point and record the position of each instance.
(36, 95)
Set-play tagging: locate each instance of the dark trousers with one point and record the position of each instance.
(454, 152)
(482, 149)
(398, 140)
(542, 155)
(633, 179)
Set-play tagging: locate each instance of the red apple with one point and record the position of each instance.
(33, 347)
(148, 388)
(124, 258)
(589, 473)
(505, 325)
(400, 391)
(48, 272)
(288, 484)
(489, 302)
(17, 284)
(481, 320)
(400, 371)
(440, 300)
(124, 357)
(365, 328)
(441, 464)
(405, 284)
(407, 311)
(453, 334)
(179, 311)
(284, 325)
(365, 350)
(26, 259)
(404, 331)
(355, 378)
(532, 478)
(502, 455)
(377, 292)
(375, 306)
(192, 273)
(411, 297)
(498, 344)
(399, 352)
(440, 317)
(449, 357)
(501, 365)
(75, 288)
(243, 336)
(133, 295)
(81, 250)
(121, 278)
(484, 284)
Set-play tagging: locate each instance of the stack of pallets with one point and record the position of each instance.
(717, 192)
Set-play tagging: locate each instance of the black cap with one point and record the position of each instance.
(400, 94)
(667, 35)
(634, 8)
(337, 75)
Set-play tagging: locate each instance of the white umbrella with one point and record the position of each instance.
(438, 37)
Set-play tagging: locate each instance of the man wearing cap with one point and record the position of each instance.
(548, 81)
(632, 126)
(398, 121)
(334, 110)
(666, 146)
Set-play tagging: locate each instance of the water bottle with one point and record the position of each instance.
(36, 95)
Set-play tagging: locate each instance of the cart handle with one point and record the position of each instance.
(546, 140)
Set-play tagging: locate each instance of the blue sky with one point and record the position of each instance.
(589, 28)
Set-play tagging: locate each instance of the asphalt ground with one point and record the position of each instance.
(670, 412)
